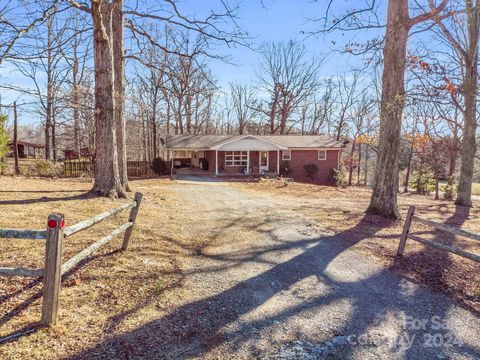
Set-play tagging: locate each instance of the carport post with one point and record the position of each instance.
(216, 162)
(248, 161)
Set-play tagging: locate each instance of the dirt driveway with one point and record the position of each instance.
(266, 281)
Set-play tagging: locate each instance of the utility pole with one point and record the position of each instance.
(15, 135)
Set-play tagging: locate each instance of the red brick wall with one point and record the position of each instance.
(272, 161)
(210, 156)
(299, 158)
(302, 157)
(254, 162)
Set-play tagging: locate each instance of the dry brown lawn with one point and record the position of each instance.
(114, 292)
(340, 209)
(111, 282)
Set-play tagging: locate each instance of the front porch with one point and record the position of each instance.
(241, 157)
(226, 163)
(250, 162)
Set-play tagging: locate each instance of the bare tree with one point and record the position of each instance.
(318, 111)
(399, 24)
(39, 57)
(346, 97)
(289, 79)
(243, 100)
(398, 27)
(360, 113)
(465, 42)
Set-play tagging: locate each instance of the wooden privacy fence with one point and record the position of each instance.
(435, 244)
(78, 168)
(140, 169)
(54, 236)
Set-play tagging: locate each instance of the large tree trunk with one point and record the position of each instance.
(119, 75)
(107, 179)
(470, 87)
(384, 197)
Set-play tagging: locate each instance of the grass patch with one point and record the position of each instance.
(476, 188)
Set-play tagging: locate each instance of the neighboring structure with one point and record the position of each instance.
(27, 150)
(255, 154)
(70, 154)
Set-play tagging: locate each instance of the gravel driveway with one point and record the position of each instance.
(268, 282)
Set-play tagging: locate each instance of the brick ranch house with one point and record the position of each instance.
(255, 155)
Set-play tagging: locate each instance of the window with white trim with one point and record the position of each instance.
(236, 158)
(322, 154)
(286, 155)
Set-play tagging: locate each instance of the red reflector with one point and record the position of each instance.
(52, 223)
(62, 223)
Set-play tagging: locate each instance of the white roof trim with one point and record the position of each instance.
(278, 146)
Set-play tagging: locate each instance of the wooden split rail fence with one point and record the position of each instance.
(435, 244)
(54, 236)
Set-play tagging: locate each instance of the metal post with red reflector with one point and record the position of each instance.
(52, 274)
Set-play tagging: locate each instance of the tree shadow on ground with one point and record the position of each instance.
(192, 330)
(432, 267)
(22, 306)
(41, 191)
(45, 199)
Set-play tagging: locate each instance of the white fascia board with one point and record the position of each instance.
(224, 145)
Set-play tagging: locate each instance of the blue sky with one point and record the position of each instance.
(267, 20)
(282, 20)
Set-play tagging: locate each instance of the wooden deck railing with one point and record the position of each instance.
(435, 244)
(54, 268)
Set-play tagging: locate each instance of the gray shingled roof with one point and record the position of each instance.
(291, 141)
(304, 141)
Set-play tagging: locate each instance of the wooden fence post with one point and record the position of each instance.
(52, 270)
(406, 230)
(132, 217)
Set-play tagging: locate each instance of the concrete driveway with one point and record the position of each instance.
(266, 281)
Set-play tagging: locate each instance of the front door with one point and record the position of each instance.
(263, 161)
